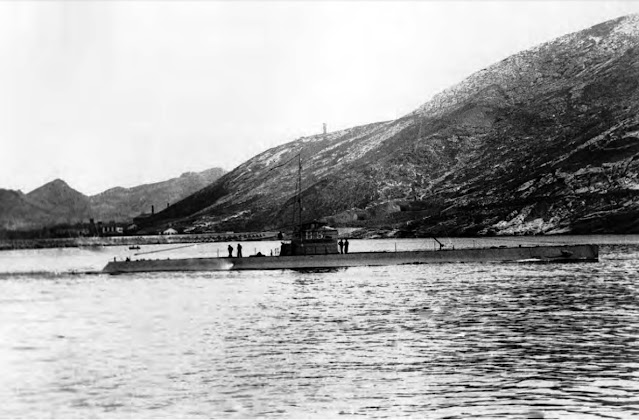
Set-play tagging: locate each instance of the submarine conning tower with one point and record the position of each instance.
(312, 238)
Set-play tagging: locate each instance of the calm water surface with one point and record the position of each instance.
(427, 341)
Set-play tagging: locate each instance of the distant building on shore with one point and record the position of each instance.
(71, 231)
(111, 228)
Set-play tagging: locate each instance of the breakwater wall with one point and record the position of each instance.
(135, 240)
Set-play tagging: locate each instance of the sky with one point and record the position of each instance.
(121, 93)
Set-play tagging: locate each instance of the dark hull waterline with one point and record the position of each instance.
(557, 254)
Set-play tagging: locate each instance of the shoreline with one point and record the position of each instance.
(10, 244)
(7, 245)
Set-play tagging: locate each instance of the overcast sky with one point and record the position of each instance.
(113, 93)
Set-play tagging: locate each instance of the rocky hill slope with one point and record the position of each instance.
(57, 203)
(61, 202)
(545, 141)
(17, 212)
(125, 203)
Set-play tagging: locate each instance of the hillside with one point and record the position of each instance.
(13, 208)
(62, 203)
(53, 203)
(125, 203)
(57, 203)
(544, 141)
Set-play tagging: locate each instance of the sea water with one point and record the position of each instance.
(514, 340)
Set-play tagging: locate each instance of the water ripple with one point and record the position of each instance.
(444, 341)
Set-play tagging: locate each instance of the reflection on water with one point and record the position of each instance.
(429, 341)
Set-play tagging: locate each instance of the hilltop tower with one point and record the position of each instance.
(324, 124)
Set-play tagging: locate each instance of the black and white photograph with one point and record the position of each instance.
(317, 209)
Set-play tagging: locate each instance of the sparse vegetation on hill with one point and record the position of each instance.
(544, 141)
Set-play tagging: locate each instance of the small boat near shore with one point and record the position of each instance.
(315, 246)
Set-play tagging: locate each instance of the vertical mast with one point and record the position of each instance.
(293, 214)
(299, 191)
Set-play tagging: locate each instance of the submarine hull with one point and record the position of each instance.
(551, 254)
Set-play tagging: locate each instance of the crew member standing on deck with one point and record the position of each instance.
(346, 246)
(341, 246)
(230, 248)
(239, 251)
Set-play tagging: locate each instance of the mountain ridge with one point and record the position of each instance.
(55, 202)
(515, 148)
